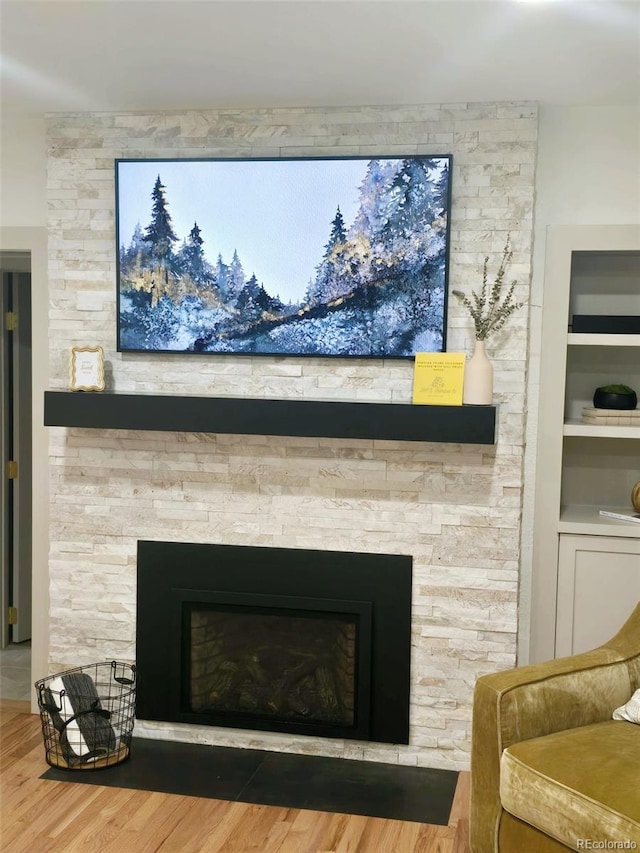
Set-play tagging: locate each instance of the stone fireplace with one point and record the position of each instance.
(288, 640)
(454, 508)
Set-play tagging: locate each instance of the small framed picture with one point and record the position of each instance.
(86, 369)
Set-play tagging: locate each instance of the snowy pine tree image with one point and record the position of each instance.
(351, 263)
(191, 259)
(159, 234)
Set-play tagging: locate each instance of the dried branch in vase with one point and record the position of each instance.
(489, 309)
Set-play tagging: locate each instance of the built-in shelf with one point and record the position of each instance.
(583, 339)
(259, 416)
(579, 428)
(587, 520)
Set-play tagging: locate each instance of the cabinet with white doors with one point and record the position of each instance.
(598, 587)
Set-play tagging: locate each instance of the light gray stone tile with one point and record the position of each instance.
(427, 500)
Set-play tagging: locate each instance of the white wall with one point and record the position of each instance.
(22, 229)
(588, 166)
(22, 171)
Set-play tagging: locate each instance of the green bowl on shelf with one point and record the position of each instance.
(615, 397)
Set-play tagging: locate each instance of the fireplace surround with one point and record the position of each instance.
(274, 639)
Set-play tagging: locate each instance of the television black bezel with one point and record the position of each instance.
(252, 159)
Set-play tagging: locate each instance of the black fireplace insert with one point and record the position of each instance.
(289, 640)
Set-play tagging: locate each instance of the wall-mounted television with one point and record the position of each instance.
(304, 256)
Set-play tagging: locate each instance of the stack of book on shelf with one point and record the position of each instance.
(606, 417)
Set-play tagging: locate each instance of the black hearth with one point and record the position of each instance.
(288, 640)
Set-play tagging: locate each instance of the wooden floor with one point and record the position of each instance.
(40, 815)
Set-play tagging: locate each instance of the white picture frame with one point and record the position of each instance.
(86, 369)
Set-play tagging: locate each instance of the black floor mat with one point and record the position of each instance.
(279, 779)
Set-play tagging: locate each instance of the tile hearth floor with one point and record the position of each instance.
(254, 776)
(279, 779)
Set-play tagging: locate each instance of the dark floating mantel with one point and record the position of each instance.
(259, 416)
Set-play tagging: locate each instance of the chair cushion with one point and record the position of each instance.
(577, 784)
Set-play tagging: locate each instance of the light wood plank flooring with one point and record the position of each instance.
(39, 815)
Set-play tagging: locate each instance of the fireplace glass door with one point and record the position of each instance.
(273, 665)
(276, 662)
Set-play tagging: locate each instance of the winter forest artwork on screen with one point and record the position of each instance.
(303, 256)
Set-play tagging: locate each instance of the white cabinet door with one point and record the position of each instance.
(598, 587)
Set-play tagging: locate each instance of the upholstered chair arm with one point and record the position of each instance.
(535, 700)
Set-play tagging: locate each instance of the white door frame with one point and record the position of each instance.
(34, 241)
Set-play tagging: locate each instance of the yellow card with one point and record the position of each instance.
(438, 377)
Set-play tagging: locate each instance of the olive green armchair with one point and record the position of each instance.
(550, 769)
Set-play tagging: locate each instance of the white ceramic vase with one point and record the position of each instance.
(478, 378)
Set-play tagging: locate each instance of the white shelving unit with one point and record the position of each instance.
(583, 468)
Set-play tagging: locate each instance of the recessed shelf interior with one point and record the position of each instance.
(605, 283)
(590, 367)
(599, 471)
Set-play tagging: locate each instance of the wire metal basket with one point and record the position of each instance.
(87, 715)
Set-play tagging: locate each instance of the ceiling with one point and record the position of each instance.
(197, 54)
